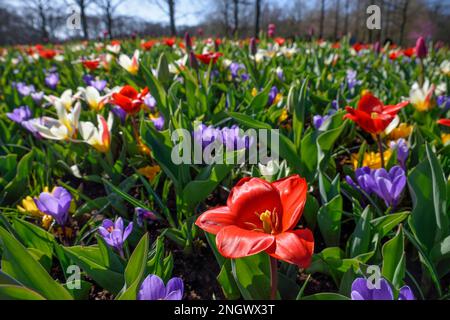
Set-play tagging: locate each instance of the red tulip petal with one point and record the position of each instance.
(251, 197)
(215, 219)
(296, 247)
(369, 103)
(129, 91)
(234, 242)
(393, 110)
(122, 101)
(444, 122)
(292, 191)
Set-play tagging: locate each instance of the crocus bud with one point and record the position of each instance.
(188, 41)
(377, 47)
(193, 61)
(421, 48)
(252, 46)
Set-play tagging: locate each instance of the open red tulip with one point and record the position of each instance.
(371, 115)
(129, 99)
(206, 58)
(261, 216)
(444, 122)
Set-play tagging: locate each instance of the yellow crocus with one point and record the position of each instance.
(150, 172)
(402, 131)
(371, 159)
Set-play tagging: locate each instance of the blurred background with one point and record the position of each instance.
(41, 21)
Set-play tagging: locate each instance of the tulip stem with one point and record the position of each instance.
(380, 148)
(273, 278)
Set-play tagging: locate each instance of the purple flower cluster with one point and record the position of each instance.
(232, 137)
(98, 84)
(235, 68)
(25, 90)
(352, 80)
(386, 185)
(319, 120)
(443, 102)
(153, 288)
(52, 80)
(20, 114)
(361, 291)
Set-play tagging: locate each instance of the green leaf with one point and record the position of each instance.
(329, 221)
(11, 292)
(429, 195)
(19, 264)
(383, 225)
(394, 260)
(361, 237)
(325, 296)
(227, 282)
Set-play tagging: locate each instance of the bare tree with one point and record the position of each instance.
(82, 6)
(336, 19)
(41, 7)
(257, 16)
(347, 14)
(404, 19)
(109, 7)
(322, 18)
(168, 7)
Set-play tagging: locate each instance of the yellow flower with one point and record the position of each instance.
(284, 115)
(143, 147)
(29, 206)
(445, 138)
(277, 99)
(371, 159)
(46, 221)
(254, 92)
(364, 92)
(402, 131)
(149, 172)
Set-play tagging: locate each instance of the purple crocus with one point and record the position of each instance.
(153, 288)
(150, 102)
(114, 233)
(272, 95)
(235, 68)
(205, 135)
(55, 204)
(443, 102)
(386, 185)
(37, 96)
(87, 78)
(52, 80)
(361, 291)
(402, 151)
(30, 125)
(100, 85)
(233, 139)
(119, 112)
(158, 122)
(319, 120)
(25, 90)
(143, 215)
(352, 81)
(20, 114)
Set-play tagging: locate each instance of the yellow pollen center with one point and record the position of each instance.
(266, 218)
(374, 115)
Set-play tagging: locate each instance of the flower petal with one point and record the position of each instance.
(292, 192)
(296, 247)
(215, 219)
(234, 242)
(152, 288)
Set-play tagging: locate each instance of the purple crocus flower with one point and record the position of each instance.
(30, 125)
(114, 233)
(386, 185)
(352, 82)
(100, 85)
(52, 80)
(205, 135)
(142, 215)
(55, 204)
(20, 114)
(87, 78)
(402, 151)
(272, 95)
(25, 90)
(443, 102)
(233, 139)
(235, 68)
(280, 74)
(37, 96)
(158, 122)
(150, 102)
(319, 120)
(361, 291)
(119, 112)
(245, 76)
(153, 288)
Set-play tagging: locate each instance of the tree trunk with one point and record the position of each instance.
(236, 17)
(336, 18)
(82, 5)
(347, 7)
(173, 29)
(404, 18)
(44, 32)
(358, 20)
(257, 17)
(226, 17)
(322, 18)
(388, 19)
(109, 21)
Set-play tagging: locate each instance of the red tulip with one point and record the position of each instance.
(169, 41)
(409, 52)
(206, 58)
(47, 53)
(371, 115)
(261, 216)
(129, 99)
(444, 122)
(421, 48)
(280, 41)
(148, 45)
(91, 64)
